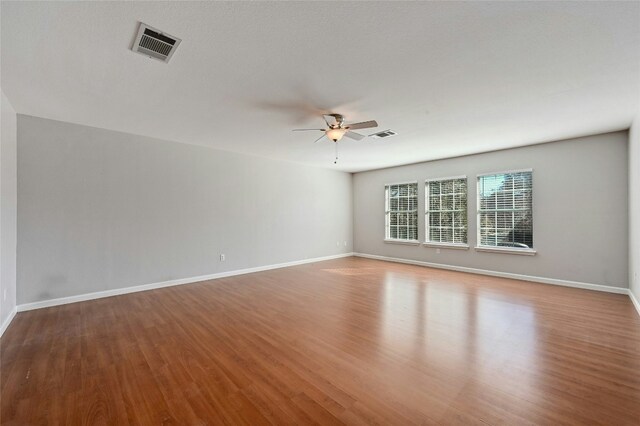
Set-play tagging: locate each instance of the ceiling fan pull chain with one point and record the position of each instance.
(336, 160)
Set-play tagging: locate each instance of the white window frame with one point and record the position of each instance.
(427, 243)
(387, 212)
(494, 249)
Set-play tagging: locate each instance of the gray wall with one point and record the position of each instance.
(580, 210)
(634, 208)
(102, 210)
(7, 210)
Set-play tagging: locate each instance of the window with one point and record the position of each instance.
(401, 207)
(446, 210)
(505, 217)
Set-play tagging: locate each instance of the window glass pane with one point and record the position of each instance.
(463, 200)
(447, 202)
(413, 233)
(485, 202)
(488, 238)
(460, 235)
(434, 188)
(402, 233)
(521, 199)
(459, 219)
(503, 219)
(434, 219)
(446, 234)
(413, 203)
(447, 187)
(434, 203)
(507, 183)
(446, 219)
(504, 200)
(487, 220)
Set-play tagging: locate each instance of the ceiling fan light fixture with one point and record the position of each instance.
(336, 134)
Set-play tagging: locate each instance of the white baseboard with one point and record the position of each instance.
(576, 284)
(134, 289)
(6, 322)
(144, 287)
(634, 301)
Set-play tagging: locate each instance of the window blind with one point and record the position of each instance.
(401, 213)
(505, 210)
(446, 211)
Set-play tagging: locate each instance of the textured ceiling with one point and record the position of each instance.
(451, 78)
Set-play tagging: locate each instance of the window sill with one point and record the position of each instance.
(507, 250)
(447, 246)
(406, 242)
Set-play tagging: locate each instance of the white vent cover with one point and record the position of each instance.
(154, 43)
(383, 134)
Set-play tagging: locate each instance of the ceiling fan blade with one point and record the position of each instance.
(318, 139)
(305, 130)
(354, 135)
(362, 125)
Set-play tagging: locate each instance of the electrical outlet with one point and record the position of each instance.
(222, 257)
(337, 243)
(437, 251)
(345, 243)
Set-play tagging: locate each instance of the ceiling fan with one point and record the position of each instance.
(336, 128)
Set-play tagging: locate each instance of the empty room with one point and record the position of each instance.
(318, 212)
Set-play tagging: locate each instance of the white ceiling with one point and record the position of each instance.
(451, 78)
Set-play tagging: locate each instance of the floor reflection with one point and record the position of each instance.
(460, 328)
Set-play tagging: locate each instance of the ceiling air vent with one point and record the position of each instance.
(154, 43)
(383, 134)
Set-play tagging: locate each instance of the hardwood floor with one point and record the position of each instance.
(353, 341)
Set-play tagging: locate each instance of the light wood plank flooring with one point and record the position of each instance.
(347, 341)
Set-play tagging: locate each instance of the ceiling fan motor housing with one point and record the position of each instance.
(339, 119)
